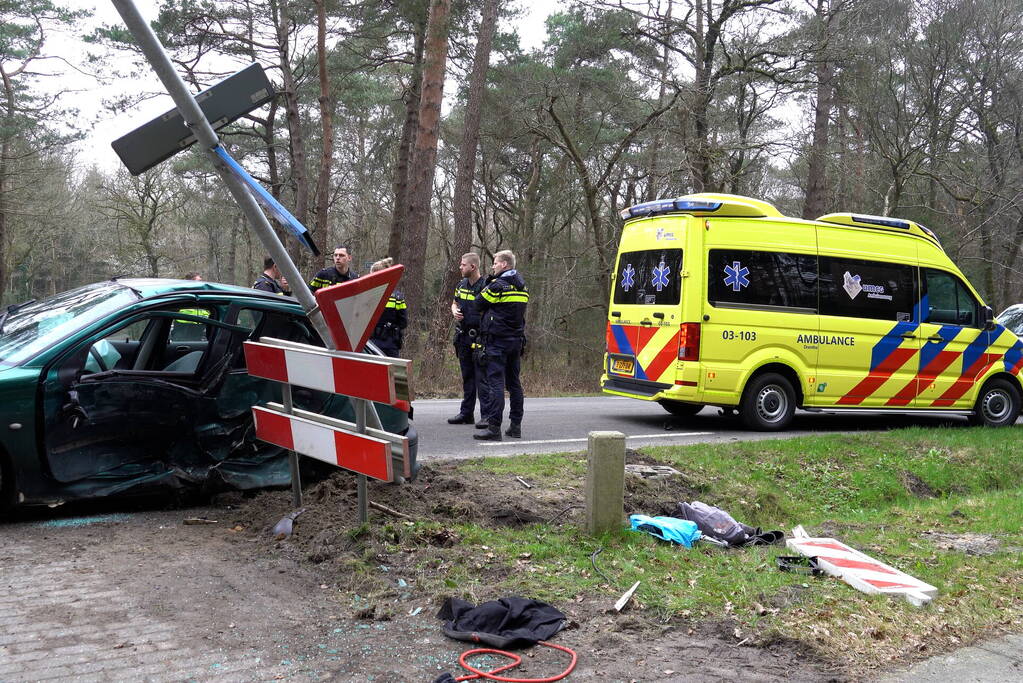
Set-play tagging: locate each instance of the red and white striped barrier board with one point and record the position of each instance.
(351, 375)
(351, 309)
(400, 455)
(350, 450)
(860, 571)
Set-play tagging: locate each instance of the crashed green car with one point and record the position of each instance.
(139, 386)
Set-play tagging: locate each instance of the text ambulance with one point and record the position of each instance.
(720, 300)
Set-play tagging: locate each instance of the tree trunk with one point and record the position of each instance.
(296, 141)
(462, 201)
(654, 164)
(231, 275)
(699, 165)
(413, 95)
(413, 249)
(326, 126)
(5, 155)
(815, 202)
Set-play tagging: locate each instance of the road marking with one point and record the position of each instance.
(634, 436)
(428, 401)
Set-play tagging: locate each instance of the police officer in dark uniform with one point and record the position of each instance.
(467, 328)
(339, 272)
(502, 304)
(390, 330)
(270, 280)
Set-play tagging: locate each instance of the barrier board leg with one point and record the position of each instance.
(360, 426)
(296, 476)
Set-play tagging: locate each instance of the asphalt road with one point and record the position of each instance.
(555, 425)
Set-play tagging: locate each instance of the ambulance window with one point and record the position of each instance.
(739, 278)
(649, 277)
(867, 289)
(948, 300)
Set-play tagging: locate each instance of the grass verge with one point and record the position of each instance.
(944, 505)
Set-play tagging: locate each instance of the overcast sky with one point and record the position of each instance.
(111, 126)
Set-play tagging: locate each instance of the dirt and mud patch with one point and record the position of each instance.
(383, 574)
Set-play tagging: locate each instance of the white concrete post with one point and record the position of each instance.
(605, 482)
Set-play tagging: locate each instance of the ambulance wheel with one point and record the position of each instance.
(768, 403)
(679, 409)
(998, 405)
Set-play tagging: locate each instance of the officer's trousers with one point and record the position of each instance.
(388, 345)
(503, 363)
(474, 383)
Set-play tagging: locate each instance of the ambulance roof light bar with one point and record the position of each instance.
(706, 203)
(860, 220)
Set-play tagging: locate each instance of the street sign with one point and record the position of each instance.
(374, 378)
(267, 201)
(860, 571)
(351, 309)
(167, 134)
(357, 452)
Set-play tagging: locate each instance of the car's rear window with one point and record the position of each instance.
(39, 325)
(649, 277)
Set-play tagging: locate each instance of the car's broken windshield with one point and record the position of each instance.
(38, 325)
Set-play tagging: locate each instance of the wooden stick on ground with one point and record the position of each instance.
(390, 511)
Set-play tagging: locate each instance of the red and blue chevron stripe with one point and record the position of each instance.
(976, 361)
(886, 357)
(934, 360)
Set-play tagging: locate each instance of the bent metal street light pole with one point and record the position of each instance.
(207, 138)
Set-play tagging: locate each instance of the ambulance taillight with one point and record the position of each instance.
(689, 342)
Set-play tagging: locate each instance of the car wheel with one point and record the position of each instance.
(679, 409)
(998, 404)
(768, 403)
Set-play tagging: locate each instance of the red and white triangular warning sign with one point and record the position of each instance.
(351, 309)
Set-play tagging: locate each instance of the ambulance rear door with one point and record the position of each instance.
(645, 314)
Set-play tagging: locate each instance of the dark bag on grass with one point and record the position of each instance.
(716, 523)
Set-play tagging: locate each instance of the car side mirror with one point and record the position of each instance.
(987, 318)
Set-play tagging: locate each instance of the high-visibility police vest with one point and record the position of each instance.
(502, 305)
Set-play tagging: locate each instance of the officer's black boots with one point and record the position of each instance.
(491, 433)
(460, 420)
(514, 430)
(482, 424)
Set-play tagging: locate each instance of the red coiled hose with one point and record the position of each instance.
(516, 660)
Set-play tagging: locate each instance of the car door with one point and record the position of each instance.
(956, 350)
(127, 405)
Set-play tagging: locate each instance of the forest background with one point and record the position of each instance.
(422, 129)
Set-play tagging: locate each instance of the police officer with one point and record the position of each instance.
(390, 330)
(271, 280)
(502, 305)
(340, 272)
(467, 328)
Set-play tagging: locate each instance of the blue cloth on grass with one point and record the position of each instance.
(680, 531)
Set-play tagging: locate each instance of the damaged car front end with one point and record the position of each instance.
(134, 387)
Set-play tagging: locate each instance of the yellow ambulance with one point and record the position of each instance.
(720, 300)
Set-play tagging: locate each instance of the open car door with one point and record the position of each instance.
(114, 422)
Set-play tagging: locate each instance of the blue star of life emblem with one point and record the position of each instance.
(628, 277)
(660, 279)
(737, 276)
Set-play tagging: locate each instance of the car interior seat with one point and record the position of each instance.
(188, 363)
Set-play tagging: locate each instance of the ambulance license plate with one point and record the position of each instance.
(623, 366)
